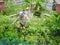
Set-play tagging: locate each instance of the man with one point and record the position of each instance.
(25, 16)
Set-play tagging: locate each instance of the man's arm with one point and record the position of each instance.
(15, 20)
(19, 17)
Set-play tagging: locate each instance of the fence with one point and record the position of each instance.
(14, 3)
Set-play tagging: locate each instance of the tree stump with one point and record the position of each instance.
(2, 7)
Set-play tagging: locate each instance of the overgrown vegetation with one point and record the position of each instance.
(44, 30)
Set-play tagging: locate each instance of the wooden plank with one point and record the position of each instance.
(2, 6)
(58, 8)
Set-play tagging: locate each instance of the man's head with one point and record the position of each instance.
(21, 14)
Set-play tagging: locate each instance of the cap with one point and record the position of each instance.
(21, 13)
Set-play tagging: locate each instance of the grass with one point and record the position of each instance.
(39, 31)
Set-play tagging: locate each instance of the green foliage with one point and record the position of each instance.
(42, 31)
